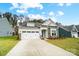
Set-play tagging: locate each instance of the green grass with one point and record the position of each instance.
(69, 44)
(7, 43)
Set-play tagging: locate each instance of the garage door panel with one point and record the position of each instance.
(30, 35)
(75, 34)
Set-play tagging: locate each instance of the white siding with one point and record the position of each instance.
(30, 24)
(49, 23)
(74, 34)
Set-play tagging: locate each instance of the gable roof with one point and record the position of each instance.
(72, 28)
(69, 27)
(61, 26)
(49, 22)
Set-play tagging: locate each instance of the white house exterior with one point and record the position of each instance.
(74, 32)
(31, 30)
(74, 29)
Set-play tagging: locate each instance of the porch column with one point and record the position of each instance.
(49, 35)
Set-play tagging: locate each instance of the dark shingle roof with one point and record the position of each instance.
(69, 27)
(61, 26)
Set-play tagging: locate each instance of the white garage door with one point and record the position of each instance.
(75, 34)
(30, 35)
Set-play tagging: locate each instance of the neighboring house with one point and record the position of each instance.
(63, 32)
(5, 27)
(47, 29)
(74, 29)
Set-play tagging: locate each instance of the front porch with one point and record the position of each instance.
(49, 33)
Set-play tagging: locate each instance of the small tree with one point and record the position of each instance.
(7, 15)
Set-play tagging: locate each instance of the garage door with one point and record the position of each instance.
(30, 35)
(75, 34)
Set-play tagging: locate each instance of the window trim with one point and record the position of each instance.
(53, 33)
(30, 31)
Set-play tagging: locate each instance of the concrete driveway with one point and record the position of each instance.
(37, 47)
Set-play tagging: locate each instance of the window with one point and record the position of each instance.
(53, 32)
(28, 31)
(37, 31)
(23, 31)
(33, 31)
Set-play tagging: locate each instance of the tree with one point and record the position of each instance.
(38, 20)
(7, 15)
(14, 21)
(21, 15)
(0, 15)
(14, 24)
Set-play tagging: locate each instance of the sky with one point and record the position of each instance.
(65, 13)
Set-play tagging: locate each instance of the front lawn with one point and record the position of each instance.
(7, 43)
(69, 44)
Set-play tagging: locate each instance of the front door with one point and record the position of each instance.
(43, 33)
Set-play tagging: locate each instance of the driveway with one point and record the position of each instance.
(37, 47)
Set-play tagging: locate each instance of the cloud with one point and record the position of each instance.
(21, 11)
(61, 4)
(51, 13)
(60, 13)
(54, 19)
(25, 6)
(36, 16)
(43, 13)
(14, 5)
(68, 4)
(32, 5)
